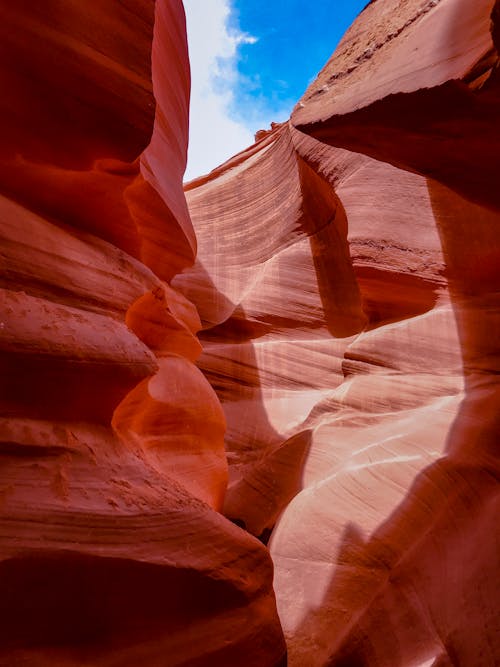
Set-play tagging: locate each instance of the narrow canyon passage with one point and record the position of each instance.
(252, 420)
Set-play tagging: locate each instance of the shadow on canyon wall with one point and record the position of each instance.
(267, 474)
(432, 566)
(422, 568)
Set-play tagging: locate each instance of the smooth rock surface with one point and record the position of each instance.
(347, 279)
(341, 398)
(113, 469)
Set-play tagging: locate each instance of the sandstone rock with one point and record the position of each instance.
(347, 280)
(342, 278)
(112, 551)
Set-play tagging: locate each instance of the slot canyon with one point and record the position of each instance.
(252, 420)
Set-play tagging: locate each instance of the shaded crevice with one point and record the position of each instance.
(337, 285)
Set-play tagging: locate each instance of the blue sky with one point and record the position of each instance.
(251, 60)
(295, 38)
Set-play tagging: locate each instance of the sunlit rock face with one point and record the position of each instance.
(112, 464)
(340, 401)
(347, 281)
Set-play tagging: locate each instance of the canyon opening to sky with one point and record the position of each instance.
(251, 419)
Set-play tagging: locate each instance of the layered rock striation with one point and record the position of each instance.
(303, 342)
(347, 279)
(112, 462)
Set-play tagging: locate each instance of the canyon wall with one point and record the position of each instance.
(112, 462)
(347, 279)
(301, 347)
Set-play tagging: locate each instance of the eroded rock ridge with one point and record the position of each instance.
(301, 347)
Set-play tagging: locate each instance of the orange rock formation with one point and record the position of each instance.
(112, 549)
(347, 277)
(346, 287)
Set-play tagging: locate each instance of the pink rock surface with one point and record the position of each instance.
(341, 399)
(112, 551)
(347, 279)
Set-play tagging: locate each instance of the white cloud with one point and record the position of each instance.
(214, 134)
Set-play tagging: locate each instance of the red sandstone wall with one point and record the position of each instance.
(345, 270)
(347, 277)
(112, 463)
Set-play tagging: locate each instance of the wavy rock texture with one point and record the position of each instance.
(112, 551)
(347, 280)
